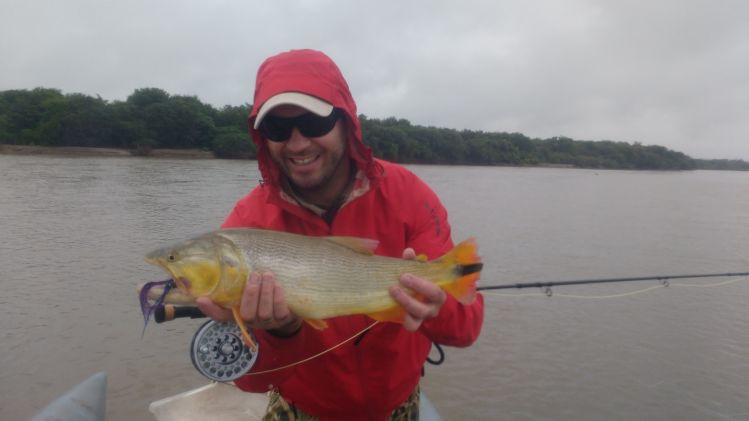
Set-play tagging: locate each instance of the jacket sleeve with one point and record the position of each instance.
(456, 324)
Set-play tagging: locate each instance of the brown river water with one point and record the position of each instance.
(74, 232)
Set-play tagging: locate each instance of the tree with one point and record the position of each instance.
(233, 116)
(144, 97)
(75, 120)
(231, 143)
(128, 129)
(22, 112)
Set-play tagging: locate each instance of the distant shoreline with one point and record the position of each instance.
(80, 151)
(113, 152)
(155, 153)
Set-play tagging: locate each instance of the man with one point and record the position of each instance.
(320, 179)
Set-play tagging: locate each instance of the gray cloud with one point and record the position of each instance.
(670, 72)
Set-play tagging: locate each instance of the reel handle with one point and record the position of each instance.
(169, 312)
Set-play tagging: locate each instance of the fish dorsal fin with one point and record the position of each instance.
(359, 245)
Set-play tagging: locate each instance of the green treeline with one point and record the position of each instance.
(399, 141)
(722, 164)
(152, 118)
(149, 118)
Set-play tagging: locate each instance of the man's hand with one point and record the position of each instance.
(262, 306)
(432, 297)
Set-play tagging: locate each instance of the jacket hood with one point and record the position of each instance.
(313, 73)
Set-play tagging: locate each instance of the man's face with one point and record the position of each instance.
(316, 166)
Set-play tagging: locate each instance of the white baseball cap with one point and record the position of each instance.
(308, 102)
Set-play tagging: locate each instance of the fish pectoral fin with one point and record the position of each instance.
(393, 314)
(245, 334)
(360, 245)
(317, 324)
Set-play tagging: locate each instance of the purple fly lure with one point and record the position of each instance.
(148, 308)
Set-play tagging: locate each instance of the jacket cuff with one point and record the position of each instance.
(457, 324)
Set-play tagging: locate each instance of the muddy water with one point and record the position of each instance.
(74, 231)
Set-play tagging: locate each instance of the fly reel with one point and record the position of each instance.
(218, 352)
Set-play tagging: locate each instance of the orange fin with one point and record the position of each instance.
(245, 334)
(393, 314)
(467, 265)
(422, 258)
(360, 245)
(317, 324)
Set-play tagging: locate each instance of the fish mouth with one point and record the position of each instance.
(188, 273)
(173, 295)
(179, 281)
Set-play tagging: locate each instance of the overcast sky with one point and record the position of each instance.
(667, 72)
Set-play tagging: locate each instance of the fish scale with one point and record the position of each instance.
(352, 280)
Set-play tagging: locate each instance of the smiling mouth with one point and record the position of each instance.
(304, 160)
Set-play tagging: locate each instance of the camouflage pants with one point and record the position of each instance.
(280, 410)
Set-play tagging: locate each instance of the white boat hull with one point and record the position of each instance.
(227, 402)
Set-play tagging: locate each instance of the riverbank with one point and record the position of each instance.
(83, 151)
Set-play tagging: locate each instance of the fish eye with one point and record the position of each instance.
(171, 258)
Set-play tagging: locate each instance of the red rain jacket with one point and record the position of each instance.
(368, 377)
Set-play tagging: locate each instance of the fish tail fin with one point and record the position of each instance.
(465, 266)
(245, 334)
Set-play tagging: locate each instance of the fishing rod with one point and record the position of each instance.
(218, 353)
(168, 312)
(548, 284)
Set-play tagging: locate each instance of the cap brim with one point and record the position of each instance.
(308, 102)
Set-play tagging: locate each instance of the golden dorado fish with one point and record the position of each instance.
(322, 277)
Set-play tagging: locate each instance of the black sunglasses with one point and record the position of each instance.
(278, 129)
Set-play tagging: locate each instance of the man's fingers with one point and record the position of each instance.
(250, 296)
(409, 254)
(411, 324)
(263, 305)
(265, 300)
(430, 291)
(416, 311)
(281, 310)
(413, 307)
(431, 299)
